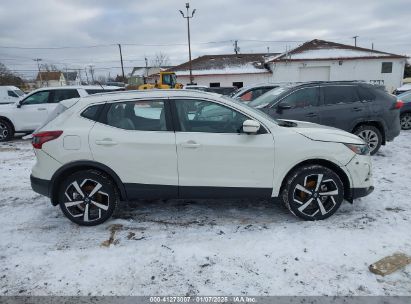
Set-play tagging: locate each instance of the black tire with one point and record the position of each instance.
(310, 204)
(371, 135)
(6, 130)
(405, 121)
(100, 205)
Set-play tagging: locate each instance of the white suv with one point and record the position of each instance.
(27, 114)
(191, 144)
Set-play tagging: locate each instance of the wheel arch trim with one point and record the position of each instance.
(72, 167)
(9, 121)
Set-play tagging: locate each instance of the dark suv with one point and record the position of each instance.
(360, 108)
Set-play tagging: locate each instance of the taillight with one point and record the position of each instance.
(398, 104)
(42, 137)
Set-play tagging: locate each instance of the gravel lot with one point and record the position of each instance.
(225, 247)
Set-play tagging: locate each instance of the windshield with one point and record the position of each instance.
(18, 92)
(254, 110)
(406, 97)
(267, 98)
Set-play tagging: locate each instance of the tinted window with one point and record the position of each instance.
(37, 98)
(210, 117)
(92, 112)
(268, 97)
(60, 95)
(386, 67)
(214, 84)
(340, 94)
(302, 98)
(12, 94)
(365, 94)
(254, 93)
(91, 91)
(137, 115)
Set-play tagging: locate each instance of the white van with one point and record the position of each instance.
(10, 94)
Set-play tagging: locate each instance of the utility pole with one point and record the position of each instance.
(372, 45)
(355, 40)
(187, 16)
(268, 50)
(236, 47)
(146, 60)
(91, 72)
(121, 59)
(38, 66)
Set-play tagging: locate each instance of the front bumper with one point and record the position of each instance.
(361, 192)
(41, 186)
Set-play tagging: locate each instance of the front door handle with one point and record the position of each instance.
(356, 109)
(311, 115)
(190, 144)
(41, 109)
(106, 142)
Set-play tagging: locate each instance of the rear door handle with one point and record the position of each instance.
(41, 109)
(356, 109)
(311, 115)
(190, 144)
(106, 142)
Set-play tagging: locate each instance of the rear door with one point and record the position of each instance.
(136, 140)
(342, 107)
(301, 104)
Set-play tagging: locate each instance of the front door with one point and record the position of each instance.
(33, 111)
(301, 104)
(215, 158)
(135, 140)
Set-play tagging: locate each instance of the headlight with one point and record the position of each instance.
(358, 149)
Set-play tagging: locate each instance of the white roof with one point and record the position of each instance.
(335, 54)
(247, 68)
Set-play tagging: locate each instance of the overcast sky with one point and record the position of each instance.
(256, 24)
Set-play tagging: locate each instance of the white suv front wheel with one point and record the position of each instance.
(313, 192)
(88, 198)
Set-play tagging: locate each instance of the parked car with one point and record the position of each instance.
(27, 114)
(222, 90)
(249, 93)
(190, 144)
(357, 107)
(10, 94)
(403, 89)
(405, 114)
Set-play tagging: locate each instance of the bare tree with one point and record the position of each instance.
(160, 60)
(7, 77)
(49, 67)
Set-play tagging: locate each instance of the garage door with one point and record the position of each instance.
(315, 74)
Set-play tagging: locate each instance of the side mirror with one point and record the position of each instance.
(18, 104)
(283, 106)
(251, 126)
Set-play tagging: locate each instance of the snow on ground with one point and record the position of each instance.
(226, 247)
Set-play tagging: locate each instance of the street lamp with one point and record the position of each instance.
(188, 17)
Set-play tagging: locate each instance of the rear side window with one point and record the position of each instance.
(91, 91)
(60, 95)
(365, 94)
(302, 98)
(340, 94)
(142, 115)
(92, 112)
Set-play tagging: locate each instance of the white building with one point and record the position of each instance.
(225, 70)
(50, 79)
(72, 78)
(319, 60)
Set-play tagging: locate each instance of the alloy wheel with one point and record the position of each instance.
(316, 195)
(406, 121)
(4, 132)
(370, 137)
(86, 200)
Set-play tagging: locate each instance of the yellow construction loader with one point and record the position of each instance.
(165, 80)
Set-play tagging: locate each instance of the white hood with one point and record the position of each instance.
(324, 133)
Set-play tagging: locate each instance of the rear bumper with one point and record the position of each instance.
(361, 192)
(41, 186)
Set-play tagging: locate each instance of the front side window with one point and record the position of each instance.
(209, 117)
(60, 95)
(340, 94)
(37, 98)
(12, 94)
(139, 115)
(302, 98)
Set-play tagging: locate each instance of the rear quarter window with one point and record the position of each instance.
(92, 112)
